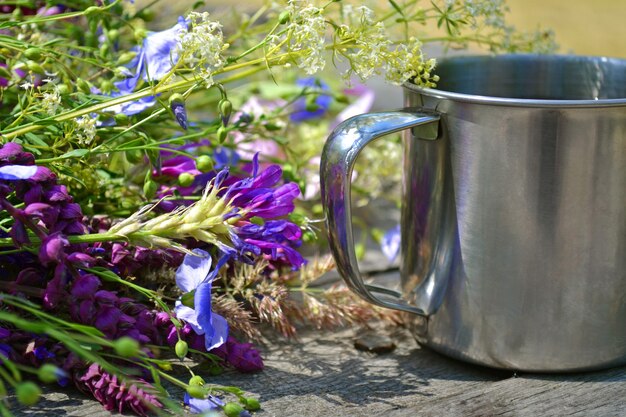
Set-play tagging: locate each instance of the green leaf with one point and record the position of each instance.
(75, 153)
(395, 6)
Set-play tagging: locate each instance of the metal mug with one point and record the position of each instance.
(513, 220)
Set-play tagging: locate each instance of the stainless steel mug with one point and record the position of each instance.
(513, 210)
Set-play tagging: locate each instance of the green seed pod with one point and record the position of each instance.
(126, 347)
(222, 134)
(48, 373)
(126, 57)
(92, 11)
(27, 393)
(147, 15)
(181, 349)
(113, 35)
(149, 189)
(215, 370)
(83, 86)
(185, 179)
(204, 163)
(196, 380)
(232, 409)
(197, 391)
(284, 17)
(63, 89)
(104, 50)
(122, 119)
(252, 404)
(272, 127)
(106, 86)
(33, 53)
(140, 34)
(35, 67)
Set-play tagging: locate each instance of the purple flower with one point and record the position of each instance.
(195, 275)
(137, 396)
(321, 103)
(198, 406)
(53, 248)
(390, 244)
(243, 356)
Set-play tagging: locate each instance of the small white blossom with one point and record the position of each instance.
(85, 130)
(202, 46)
(51, 101)
(304, 36)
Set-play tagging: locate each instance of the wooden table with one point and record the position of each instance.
(322, 374)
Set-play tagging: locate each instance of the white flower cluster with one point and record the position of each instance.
(491, 10)
(202, 46)
(362, 41)
(305, 36)
(406, 63)
(85, 130)
(51, 101)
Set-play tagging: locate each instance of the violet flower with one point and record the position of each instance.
(322, 101)
(195, 275)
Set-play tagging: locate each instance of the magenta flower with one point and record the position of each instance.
(195, 275)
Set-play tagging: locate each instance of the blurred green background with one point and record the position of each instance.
(586, 27)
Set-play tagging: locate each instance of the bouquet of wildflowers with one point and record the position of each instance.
(157, 187)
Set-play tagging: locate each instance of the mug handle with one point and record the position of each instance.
(338, 157)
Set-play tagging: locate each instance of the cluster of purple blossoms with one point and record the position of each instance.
(138, 396)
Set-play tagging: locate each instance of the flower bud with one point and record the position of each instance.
(149, 189)
(106, 87)
(181, 349)
(104, 50)
(225, 108)
(49, 373)
(126, 347)
(232, 409)
(197, 391)
(33, 53)
(185, 179)
(125, 58)
(27, 393)
(35, 67)
(204, 163)
(252, 404)
(196, 380)
(222, 134)
(284, 17)
(113, 35)
(83, 86)
(178, 108)
(122, 119)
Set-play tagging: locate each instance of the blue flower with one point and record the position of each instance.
(197, 405)
(195, 275)
(322, 101)
(22, 172)
(390, 244)
(155, 59)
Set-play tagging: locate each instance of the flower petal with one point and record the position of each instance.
(17, 172)
(194, 270)
(189, 315)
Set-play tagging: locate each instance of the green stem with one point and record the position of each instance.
(173, 87)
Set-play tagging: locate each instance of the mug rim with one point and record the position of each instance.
(519, 102)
